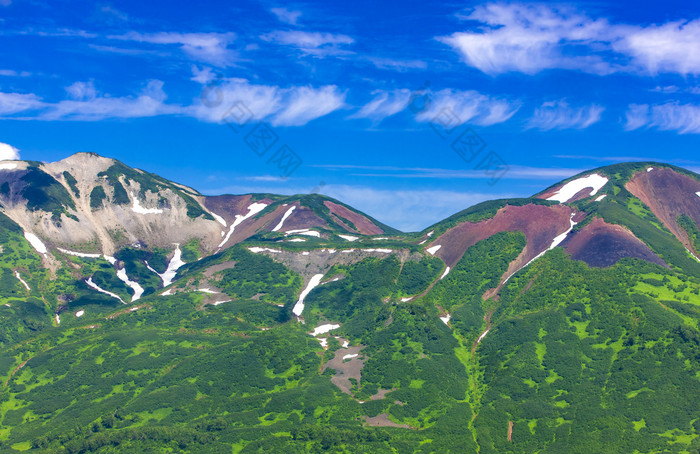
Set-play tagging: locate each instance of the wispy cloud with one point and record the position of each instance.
(397, 64)
(514, 172)
(87, 105)
(292, 106)
(467, 106)
(559, 115)
(671, 116)
(312, 43)
(384, 104)
(13, 73)
(286, 15)
(11, 103)
(212, 48)
(529, 38)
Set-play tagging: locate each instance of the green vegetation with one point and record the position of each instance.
(97, 197)
(691, 228)
(72, 183)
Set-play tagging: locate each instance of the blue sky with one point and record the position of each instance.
(371, 104)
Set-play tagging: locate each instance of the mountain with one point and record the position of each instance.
(139, 315)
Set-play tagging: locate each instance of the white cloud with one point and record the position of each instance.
(446, 106)
(114, 13)
(11, 103)
(530, 38)
(313, 43)
(13, 73)
(286, 15)
(384, 104)
(8, 152)
(671, 116)
(305, 104)
(211, 48)
(293, 106)
(559, 115)
(397, 65)
(671, 47)
(82, 90)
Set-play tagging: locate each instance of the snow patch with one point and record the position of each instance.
(36, 243)
(354, 355)
(221, 302)
(110, 259)
(380, 238)
(22, 281)
(137, 208)
(555, 242)
(697, 193)
(284, 218)
(600, 197)
(483, 335)
(306, 232)
(58, 319)
(168, 292)
(447, 270)
(385, 251)
(175, 263)
(305, 253)
(431, 233)
(80, 313)
(8, 166)
(253, 209)
(297, 240)
(323, 329)
(446, 319)
(405, 300)
(434, 249)
(80, 254)
(572, 188)
(138, 290)
(96, 287)
(349, 237)
(649, 169)
(207, 290)
(299, 306)
(219, 219)
(257, 250)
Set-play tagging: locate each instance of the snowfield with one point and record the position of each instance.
(323, 329)
(137, 208)
(80, 254)
(299, 306)
(219, 219)
(570, 189)
(36, 243)
(22, 281)
(284, 218)
(257, 250)
(96, 287)
(447, 270)
(8, 166)
(138, 290)
(175, 263)
(434, 249)
(253, 209)
(600, 197)
(349, 237)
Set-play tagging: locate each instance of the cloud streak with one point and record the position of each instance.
(671, 116)
(559, 115)
(530, 38)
